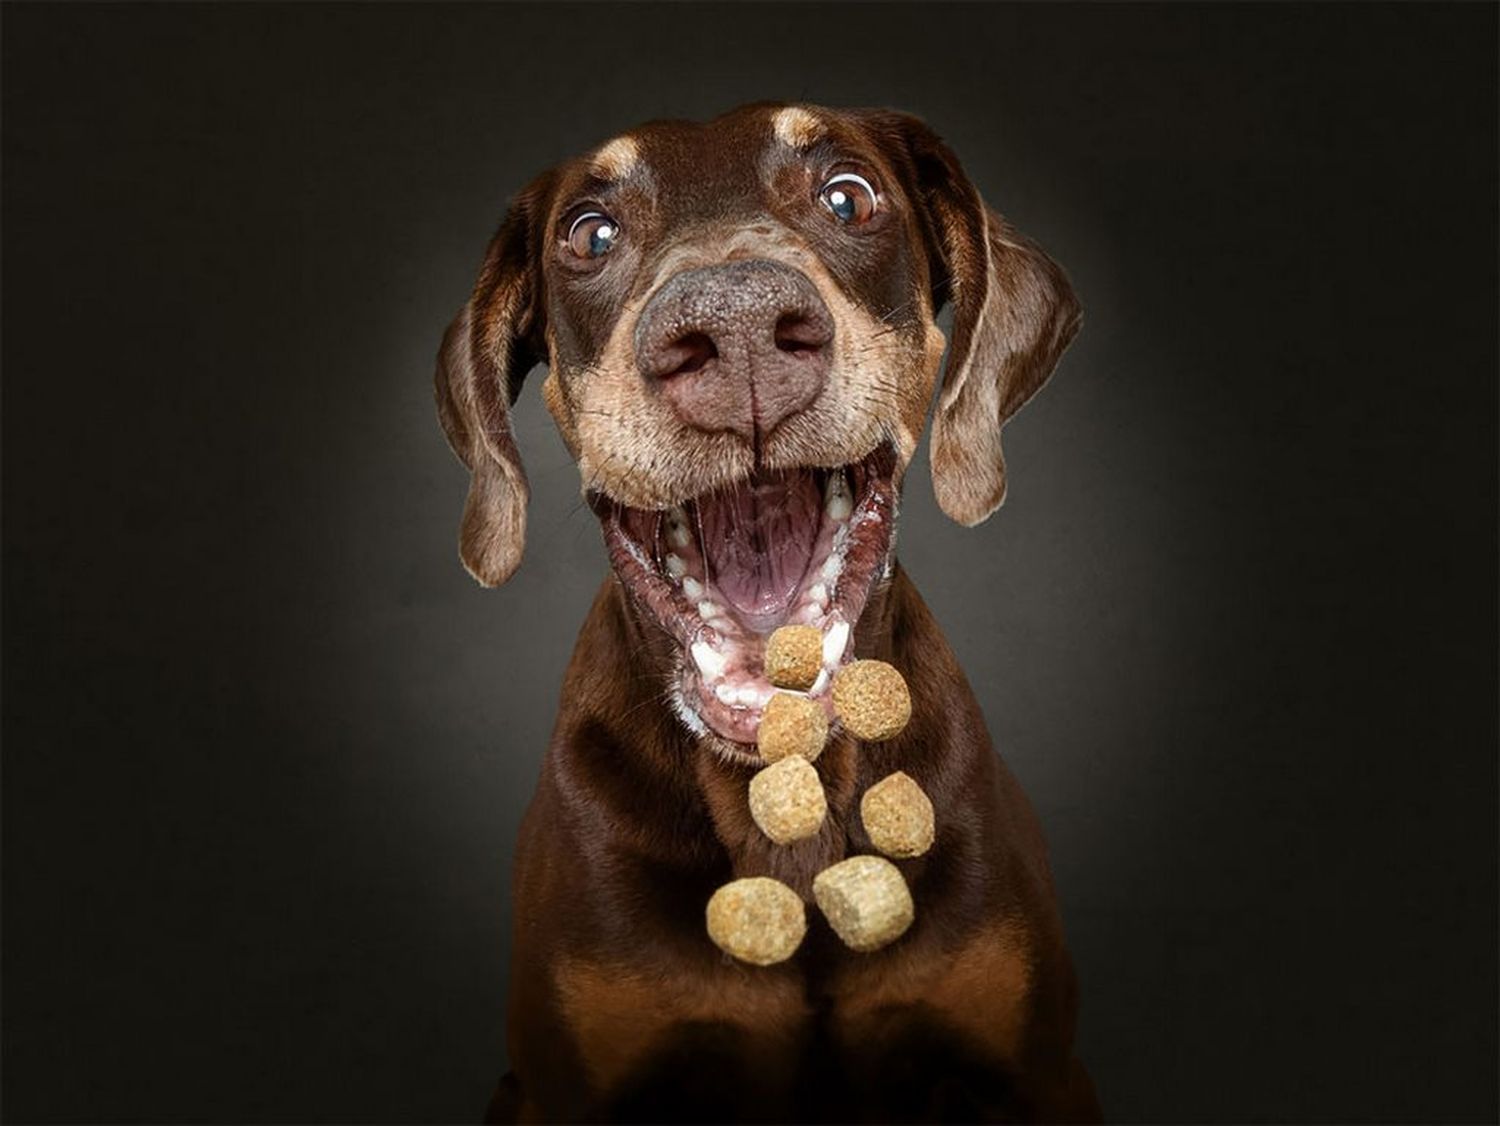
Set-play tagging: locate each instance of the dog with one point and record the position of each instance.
(737, 319)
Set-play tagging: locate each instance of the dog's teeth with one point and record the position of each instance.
(692, 588)
(833, 643)
(818, 593)
(677, 528)
(820, 684)
(832, 566)
(838, 500)
(675, 566)
(726, 694)
(747, 696)
(708, 610)
(710, 661)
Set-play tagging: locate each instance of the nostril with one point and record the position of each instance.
(687, 354)
(799, 335)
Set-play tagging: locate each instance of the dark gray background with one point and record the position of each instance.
(267, 745)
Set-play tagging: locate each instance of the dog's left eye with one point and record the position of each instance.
(850, 197)
(593, 234)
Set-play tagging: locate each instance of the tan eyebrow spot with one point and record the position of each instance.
(796, 127)
(616, 159)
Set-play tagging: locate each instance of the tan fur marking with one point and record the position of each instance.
(984, 991)
(617, 1016)
(616, 159)
(796, 127)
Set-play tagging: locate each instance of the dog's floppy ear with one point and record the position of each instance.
(497, 338)
(1014, 313)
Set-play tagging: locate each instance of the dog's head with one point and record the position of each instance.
(738, 323)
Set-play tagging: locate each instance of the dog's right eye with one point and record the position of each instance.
(593, 234)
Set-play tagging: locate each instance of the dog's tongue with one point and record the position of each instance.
(758, 540)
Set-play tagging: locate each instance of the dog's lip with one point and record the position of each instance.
(717, 686)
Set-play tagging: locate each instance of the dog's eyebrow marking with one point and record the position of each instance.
(796, 127)
(616, 159)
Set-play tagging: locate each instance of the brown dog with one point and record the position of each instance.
(738, 323)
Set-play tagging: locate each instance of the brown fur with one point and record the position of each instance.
(621, 1009)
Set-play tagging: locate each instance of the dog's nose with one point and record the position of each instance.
(738, 346)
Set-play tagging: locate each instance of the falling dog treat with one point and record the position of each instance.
(757, 920)
(794, 657)
(897, 815)
(791, 725)
(871, 700)
(865, 900)
(787, 800)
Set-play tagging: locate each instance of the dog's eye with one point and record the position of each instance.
(850, 197)
(593, 234)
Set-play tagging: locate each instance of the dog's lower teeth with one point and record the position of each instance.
(692, 588)
(711, 663)
(833, 643)
(676, 567)
(817, 594)
(708, 610)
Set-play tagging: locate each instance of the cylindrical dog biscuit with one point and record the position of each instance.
(791, 725)
(897, 816)
(787, 800)
(757, 920)
(865, 900)
(794, 657)
(871, 700)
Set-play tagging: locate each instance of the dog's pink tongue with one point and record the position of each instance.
(759, 539)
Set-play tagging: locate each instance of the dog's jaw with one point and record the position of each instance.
(718, 591)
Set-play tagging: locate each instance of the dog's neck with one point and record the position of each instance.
(618, 734)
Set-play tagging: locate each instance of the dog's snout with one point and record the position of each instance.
(738, 347)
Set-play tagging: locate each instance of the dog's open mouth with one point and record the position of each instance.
(724, 570)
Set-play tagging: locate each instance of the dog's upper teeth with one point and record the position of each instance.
(837, 498)
(675, 566)
(820, 684)
(818, 594)
(708, 610)
(711, 663)
(677, 528)
(692, 588)
(834, 641)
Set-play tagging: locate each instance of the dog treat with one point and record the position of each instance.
(757, 920)
(787, 800)
(794, 657)
(791, 725)
(871, 700)
(865, 900)
(897, 815)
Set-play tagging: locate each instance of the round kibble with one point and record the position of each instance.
(865, 900)
(787, 800)
(871, 700)
(791, 725)
(757, 920)
(794, 657)
(897, 816)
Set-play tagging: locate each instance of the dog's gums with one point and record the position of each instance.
(722, 571)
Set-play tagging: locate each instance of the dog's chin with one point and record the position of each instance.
(722, 571)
